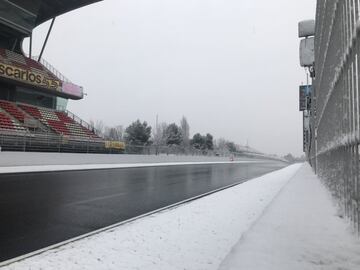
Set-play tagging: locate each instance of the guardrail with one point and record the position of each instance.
(335, 123)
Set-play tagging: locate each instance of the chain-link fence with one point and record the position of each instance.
(167, 150)
(48, 142)
(335, 122)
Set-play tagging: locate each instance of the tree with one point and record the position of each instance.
(114, 133)
(209, 142)
(231, 147)
(221, 146)
(99, 127)
(198, 141)
(138, 133)
(203, 142)
(159, 137)
(289, 157)
(185, 131)
(159, 134)
(173, 135)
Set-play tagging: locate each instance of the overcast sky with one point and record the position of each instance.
(230, 66)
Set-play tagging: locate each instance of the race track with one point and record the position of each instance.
(39, 209)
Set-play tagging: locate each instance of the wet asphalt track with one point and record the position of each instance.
(45, 208)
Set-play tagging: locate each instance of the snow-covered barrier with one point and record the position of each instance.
(196, 235)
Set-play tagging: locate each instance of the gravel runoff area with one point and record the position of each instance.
(29, 158)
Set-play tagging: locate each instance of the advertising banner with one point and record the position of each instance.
(29, 77)
(304, 96)
(115, 145)
(307, 52)
(72, 89)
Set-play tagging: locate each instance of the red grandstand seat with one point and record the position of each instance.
(64, 117)
(33, 111)
(13, 110)
(59, 122)
(59, 126)
(7, 123)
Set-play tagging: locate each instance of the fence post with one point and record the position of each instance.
(24, 143)
(59, 142)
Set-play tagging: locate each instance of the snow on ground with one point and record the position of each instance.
(280, 221)
(196, 235)
(300, 230)
(29, 158)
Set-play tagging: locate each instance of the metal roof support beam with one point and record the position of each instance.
(30, 46)
(14, 45)
(47, 38)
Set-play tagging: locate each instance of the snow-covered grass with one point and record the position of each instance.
(300, 230)
(196, 235)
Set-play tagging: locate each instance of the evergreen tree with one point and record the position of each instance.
(138, 133)
(209, 142)
(198, 141)
(173, 135)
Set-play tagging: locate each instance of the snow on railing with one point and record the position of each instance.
(80, 121)
(335, 137)
(51, 68)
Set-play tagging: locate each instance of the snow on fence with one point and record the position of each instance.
(335, 106)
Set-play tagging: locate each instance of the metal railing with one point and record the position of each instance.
(48, 142)
(81, 122)
(335, 121)
(27, 141)
(52, 69)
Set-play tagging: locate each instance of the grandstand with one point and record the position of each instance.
(33, 94)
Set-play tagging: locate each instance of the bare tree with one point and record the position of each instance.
(221, 146)
(120, 132)
(159, 136)
(114, 133)
(99, 127)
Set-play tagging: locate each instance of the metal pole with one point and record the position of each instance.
(47, 38)
(24, 143)
(30, 46)
(13, 47)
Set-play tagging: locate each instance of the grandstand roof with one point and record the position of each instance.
(53, 8)
(22, 16)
